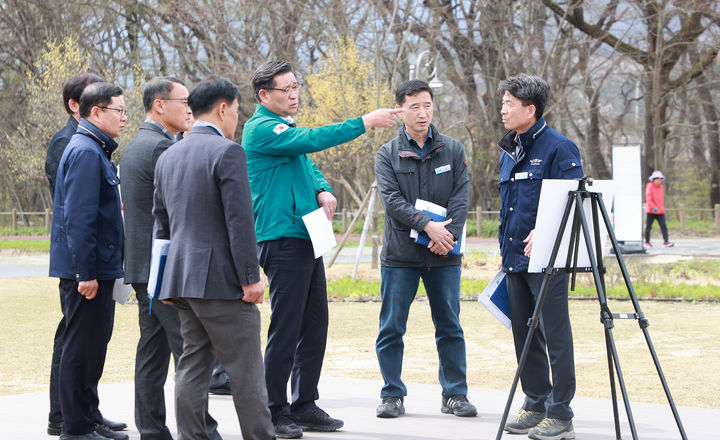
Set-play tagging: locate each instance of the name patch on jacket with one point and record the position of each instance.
(280, 128)
(442, 169)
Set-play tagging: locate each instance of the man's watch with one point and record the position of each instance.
(317, 193)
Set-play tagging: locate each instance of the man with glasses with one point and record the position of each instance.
(71, 91)
(167, 113)
(286, 185)
(86, 254)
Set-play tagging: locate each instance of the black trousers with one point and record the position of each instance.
(552, 338)
(55, 415)
(88, 328)
(298, 324)
(661, 221)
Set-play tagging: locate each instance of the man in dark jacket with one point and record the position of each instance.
(86, 254)
(533, 151)
(72, 89)
(165, 100)
(202, 205)
(422, 164)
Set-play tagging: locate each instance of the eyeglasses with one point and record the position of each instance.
(286, 90)
(183, 101)
(122, 111)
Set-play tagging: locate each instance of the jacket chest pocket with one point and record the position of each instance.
(406, 178)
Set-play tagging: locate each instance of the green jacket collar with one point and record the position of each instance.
(264, 111)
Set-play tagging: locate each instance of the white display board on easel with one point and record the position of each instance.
(553, 199)
(628, 210)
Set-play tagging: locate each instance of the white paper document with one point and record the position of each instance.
(121, 291)
(321, 232)
(553, 199)
(495, 299)
(160, 250)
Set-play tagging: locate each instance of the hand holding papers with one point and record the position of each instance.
(321, 232)
(553, 197)
(438, 214)
(495, 299)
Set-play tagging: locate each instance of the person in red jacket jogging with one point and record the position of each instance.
(655, 207)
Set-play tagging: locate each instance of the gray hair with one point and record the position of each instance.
(529, 89)
(264, 76)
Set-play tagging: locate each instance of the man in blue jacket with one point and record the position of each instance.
(533, 151)
(86, 254)
(71, 91)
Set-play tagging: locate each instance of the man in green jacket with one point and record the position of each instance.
(286, 185)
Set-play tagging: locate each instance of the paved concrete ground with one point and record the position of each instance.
(24, 416)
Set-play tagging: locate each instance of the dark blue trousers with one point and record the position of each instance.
(298, 324)
(88, 328)
(553, 334)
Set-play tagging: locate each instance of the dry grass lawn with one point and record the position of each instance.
(685, 336)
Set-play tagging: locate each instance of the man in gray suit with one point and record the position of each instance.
(167, 113)
(203, 205)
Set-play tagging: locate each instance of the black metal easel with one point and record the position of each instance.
(576, 198)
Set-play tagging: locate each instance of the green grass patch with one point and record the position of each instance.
(23, 231)
(664, 290)
(26, 245)
(346, 288)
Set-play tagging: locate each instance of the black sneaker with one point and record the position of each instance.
(524, 421)
(458, 405)
(553, 429)
(315, 419)
(286, 428)
(104, 431)
(54, 428)
(390, 407)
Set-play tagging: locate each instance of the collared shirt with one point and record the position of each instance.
(209, 124)
(164, 130)
(422, 152)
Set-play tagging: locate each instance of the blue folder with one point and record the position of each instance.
(424, 239)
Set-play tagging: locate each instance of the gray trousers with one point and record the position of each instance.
(159, 339)
(229, 329)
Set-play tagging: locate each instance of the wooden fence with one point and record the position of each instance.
(680, 213)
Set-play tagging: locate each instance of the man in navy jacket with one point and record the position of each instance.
(533, 151)
(86, 254)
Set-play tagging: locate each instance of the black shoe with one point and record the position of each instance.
(54, 428)
(222, 389)
(286, 428)
(89, 436)
(106, 432)
(315, 419)
(115, 426)
(458, 405)
(390, 407)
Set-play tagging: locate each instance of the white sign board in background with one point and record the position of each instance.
(553, 199)
(628, 212)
